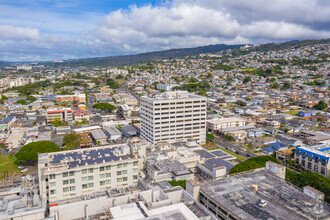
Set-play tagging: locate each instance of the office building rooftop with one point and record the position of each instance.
(89, 156)
(138, 210)
(240, 195)
(322, 150)
(169, 166)
(215, 154)
(172, 95)
(98, 134)
(213, 163)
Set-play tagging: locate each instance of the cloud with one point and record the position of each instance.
(46, 35)
(8, 32)
(184, 23)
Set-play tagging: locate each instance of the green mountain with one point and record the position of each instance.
(143, 57)
(281, 46)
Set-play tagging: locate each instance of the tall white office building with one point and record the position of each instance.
(173, 116)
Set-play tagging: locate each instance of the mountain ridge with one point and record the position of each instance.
(143, 57)
(174, 53)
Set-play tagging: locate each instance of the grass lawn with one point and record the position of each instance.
(121, 81)
(181, 183)
(7, 162)
(294, 112)
(213, 148)
(248, 69)
(209, 143)
(232, 153)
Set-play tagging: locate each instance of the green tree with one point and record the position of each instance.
(119, 76)
(247, 79)
(275, 86)
(210, 135)
(229, 137)
(84, 121)
(31, 98)
(240, 103)
(22, 101)
(71, 141)
(104, 107)
(321, 105)
(286, 86)
(308, 178)
(31, 150)
(252, 163)
(113, 84)
(58, 123)
(192, 80)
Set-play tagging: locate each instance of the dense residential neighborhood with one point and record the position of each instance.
(210, 136)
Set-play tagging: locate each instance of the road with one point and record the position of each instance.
(225, 144)
(124, 87)
(90, 103)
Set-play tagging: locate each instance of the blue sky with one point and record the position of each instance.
(36, 30)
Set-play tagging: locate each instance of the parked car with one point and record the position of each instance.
(249, 155)
(25, 170)
(20, 167)
(262, 203)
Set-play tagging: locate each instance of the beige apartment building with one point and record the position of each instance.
(70, 174)
(173, 116)
(219, 124)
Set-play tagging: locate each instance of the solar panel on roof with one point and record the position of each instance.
(226, 157)
(205, 153)
(219, 153)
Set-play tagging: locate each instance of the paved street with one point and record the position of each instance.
(124, 87)
(227, 145)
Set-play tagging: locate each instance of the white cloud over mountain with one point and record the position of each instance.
(179, 23)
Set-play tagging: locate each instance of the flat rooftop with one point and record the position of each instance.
(213, 163)
(98, 134)
(323, 150)
(171, 166)
(235, 194)
(89, 156)
(16, 202)
(215, 154)
(113, 131)
(173, 95)
(230, 129)
(225, 120)
(138, 211)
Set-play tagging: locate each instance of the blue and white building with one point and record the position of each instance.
(314, 158)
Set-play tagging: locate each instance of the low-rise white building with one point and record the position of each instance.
(220, 123)
(71, 174)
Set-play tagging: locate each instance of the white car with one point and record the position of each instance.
(25, 170)
(21, 167)
(262, 203)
